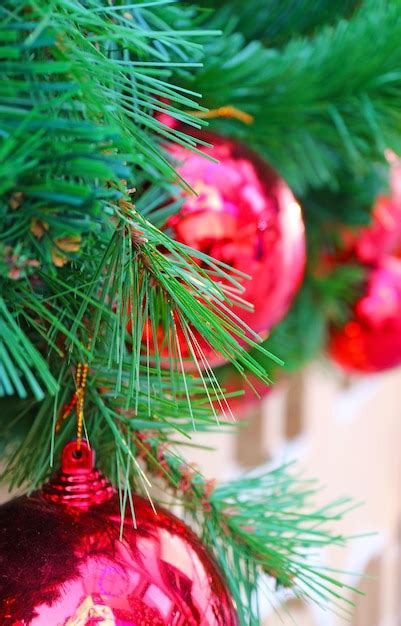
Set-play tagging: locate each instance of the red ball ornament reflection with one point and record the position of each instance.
(245, 215)
(371, 340)
(63, 561)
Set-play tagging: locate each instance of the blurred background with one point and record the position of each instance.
(345, 430)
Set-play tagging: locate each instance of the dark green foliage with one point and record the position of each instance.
(325, 209)
(321, 105)
(274, 22)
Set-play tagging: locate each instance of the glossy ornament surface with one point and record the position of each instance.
(64, 563)
(371, 340)
(245, 215)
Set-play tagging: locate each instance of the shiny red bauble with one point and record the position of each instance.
(65, 563)
(246, 216)
(371, 340)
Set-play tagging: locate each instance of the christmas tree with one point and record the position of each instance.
(141, 144)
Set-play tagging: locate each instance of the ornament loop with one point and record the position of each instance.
(78, 483)
(77, 459)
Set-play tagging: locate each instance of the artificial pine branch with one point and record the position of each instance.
(62, 213)
(160, 403)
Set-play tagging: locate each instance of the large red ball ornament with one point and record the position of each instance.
(371, 340)
(245, 215)
(64, 562)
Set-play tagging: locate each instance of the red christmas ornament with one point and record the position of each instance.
(371, 340)
(245, 215)
(383, 236)
(63, 561)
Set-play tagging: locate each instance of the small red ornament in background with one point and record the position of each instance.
(371, 340)
(241, 406)
(244, 215)
(64, 562)
(383, 236)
